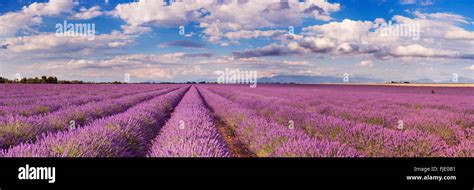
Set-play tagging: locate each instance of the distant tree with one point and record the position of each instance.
(77, 82)
(35, 80)
(44, 79)
(52, 80)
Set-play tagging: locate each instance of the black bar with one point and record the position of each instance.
(338, 171)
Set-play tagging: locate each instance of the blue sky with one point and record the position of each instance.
(143, 38)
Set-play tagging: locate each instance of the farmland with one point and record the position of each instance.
(206, 120)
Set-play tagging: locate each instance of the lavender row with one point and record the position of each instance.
(28, 90)
(128, 134)
(67, 100)
(22, 129)
(10, 94)
(366, 104)
(269, 139)
(444, 124)
(190, 132)
(370, 140)
(41, 93)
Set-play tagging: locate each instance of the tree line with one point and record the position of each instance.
(54, 80)
(40, 80)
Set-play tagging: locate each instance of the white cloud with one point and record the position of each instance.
(459, 35)
(440, 37)
(422, 2)
(50, 44)
(167, 66)
(31, 15)
(85, 13)
(365, 63)
(404, 2)
(247, 34)
(129, 29)
(345, 31)
(445, 17)
(296, 62)
(10, 23)
(52, 8)
(220, 19)
(416, 50)
(154, 12)
(427, 2)
(470, 68)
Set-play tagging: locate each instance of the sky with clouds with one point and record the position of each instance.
(156, 40)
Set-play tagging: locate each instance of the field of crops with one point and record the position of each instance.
(181, 120)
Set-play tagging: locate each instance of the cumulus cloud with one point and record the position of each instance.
(53, 7)
(221, 20)
(445, 17)
(134, 60)
(270, 50)
(49, 44)
(438, 25)
(345, 31)
(165, 66)
(366, 63)
(313, 44)
(11, 23)
(154, 12)
(459, 35)
(135, 30)
(441, 37)
(24, 21)
(416, 50)
(85, 13)
(248, 34)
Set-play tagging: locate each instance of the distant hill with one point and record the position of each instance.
(331, 79)
(423, 80)
(314, 79)
(302, 79)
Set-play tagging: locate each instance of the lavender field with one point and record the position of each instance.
(207, 120)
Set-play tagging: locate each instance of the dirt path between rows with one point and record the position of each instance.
(237, 148)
